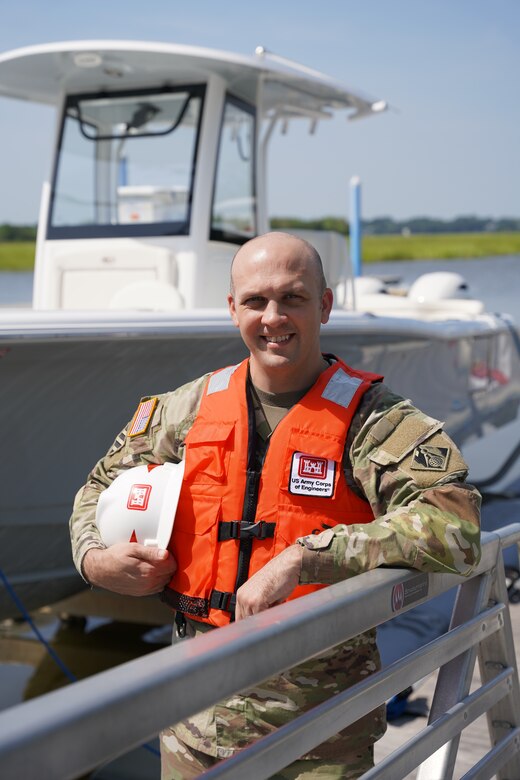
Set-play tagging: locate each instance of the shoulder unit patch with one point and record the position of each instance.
(426, 457)
(142, 417)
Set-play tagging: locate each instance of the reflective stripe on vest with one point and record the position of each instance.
(228, 514)
(220, 380)
(341, 388)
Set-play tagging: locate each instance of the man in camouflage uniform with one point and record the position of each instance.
(397, 458)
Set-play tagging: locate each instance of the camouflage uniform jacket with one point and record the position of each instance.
(427, 518)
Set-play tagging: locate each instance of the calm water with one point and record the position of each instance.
(16, 288)
(495, 280)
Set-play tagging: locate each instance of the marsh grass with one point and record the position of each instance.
(439, 246)
(19, 255)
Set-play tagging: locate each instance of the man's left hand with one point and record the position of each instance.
(271, 585)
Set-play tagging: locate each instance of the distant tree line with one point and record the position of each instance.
(463, 224)
(371, 227)
(338, 224)
(17, 232)
(389, 226)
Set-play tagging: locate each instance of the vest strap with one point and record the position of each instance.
(194, 607)
(221, 600)
(244, 530)
(180, 622)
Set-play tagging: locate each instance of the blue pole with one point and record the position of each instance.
(355, 225)
(122, 173)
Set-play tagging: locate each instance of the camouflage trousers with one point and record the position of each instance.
(180, 762)
(231, 725)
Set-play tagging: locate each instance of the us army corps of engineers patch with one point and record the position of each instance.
(429, 458)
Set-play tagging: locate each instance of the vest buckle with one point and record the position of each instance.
(260, 530)
(237, 530)
(223, 600)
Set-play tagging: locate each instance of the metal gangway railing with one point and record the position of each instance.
(73, 730)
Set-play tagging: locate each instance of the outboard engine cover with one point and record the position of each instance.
(437, 286)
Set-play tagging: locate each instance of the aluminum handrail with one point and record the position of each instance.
(75, 729)
(288, 742)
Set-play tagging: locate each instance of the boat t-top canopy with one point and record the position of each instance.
(44, 73)
(161, 157)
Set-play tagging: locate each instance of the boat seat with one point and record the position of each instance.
(148, 295)
(110, 274)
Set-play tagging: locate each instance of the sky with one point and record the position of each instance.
(449, 69)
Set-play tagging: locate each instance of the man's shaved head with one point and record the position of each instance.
(279, 301)
(270, 242)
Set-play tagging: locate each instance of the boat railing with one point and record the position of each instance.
(68, 732)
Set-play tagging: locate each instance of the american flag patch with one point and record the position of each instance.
(142, 417)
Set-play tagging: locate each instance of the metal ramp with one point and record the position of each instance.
(68, 732)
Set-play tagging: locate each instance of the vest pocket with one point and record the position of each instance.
(294, 523)
(194, 546)
(208, 452)
(312, 464)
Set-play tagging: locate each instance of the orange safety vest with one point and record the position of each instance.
(232, 517)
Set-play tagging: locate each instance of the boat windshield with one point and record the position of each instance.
(233, 214)
(125, 164)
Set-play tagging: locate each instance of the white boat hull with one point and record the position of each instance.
(70, 382)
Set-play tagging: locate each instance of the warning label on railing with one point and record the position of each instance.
(406, 593)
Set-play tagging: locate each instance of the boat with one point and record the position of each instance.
(159, 174)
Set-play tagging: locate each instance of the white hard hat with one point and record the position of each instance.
(140, 505)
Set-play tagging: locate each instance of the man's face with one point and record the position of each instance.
(279, 307)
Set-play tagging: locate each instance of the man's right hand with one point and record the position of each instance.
(129, 568)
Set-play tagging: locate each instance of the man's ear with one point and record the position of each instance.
(232, 309)
(326, 305)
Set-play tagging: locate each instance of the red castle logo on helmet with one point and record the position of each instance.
(310, 467)
(138, 497)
